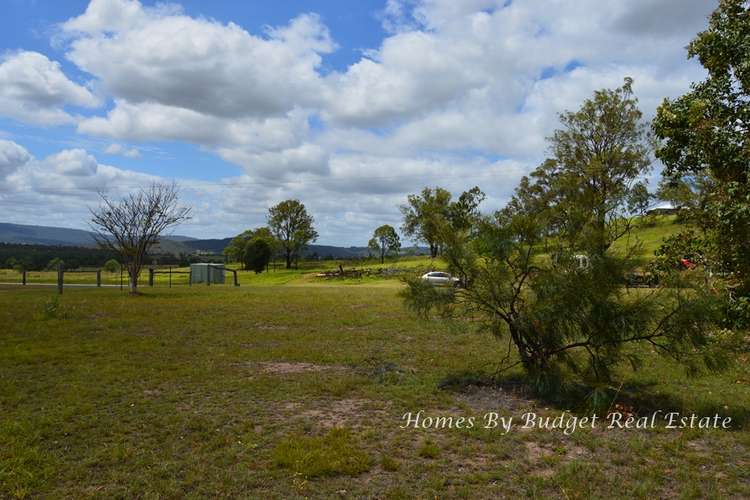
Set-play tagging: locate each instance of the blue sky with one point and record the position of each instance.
(347, 106)
(31, 24)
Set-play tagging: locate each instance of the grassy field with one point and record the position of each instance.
(650, 237)
(305, 274)
(298, 391)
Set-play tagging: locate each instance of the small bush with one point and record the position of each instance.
(335, 453)
(389, 464)
(53, 309)
(429, 450)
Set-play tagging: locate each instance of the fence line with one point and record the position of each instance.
(152, 272)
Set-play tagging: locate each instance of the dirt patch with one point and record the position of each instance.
(536, 452)
(261, 326)
(286, 368)
(483, 399)
(351, 413)
(543, 473)
(261, 345)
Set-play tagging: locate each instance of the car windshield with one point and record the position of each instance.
(439, 275)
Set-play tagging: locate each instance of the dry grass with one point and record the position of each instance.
(291, 392)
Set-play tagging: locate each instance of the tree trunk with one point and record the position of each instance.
(132, 281)
(433, 250)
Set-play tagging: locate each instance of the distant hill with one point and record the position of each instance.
(208, 245)
(176, 245)
(45, 235)
(63, 236)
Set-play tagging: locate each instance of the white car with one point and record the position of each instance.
(440, 278)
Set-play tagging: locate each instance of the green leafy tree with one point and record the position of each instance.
(292, 227)
(53, 264)
(707, 131)
(598, 156)
(257, 254)
(385, 241)
(683, 192)
(19, 265)
(430, 216)
(112, 266)
(235, 250)
(424, 216)
(565, 322)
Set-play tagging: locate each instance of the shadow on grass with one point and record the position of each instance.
(638, 398)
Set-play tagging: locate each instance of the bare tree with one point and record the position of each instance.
(133, 225)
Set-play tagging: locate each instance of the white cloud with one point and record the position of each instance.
(12, 157)
(119, 149)
(307, 158)
(457, 94)
(200, 65)
(34, 89)
(72, 173)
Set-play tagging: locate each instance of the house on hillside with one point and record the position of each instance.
(663, 208)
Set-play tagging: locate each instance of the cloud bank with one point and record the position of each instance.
(457, 94)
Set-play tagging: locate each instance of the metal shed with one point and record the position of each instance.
(207, 273)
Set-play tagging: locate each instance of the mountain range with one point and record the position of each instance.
(174, 244)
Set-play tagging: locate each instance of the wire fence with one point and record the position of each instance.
(168, 276)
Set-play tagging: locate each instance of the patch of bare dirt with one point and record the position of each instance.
(535, 451)
(484, 399)
(352, 413)
(286, 368)
(263, 326)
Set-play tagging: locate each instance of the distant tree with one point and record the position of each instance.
(53, 264)
(235, 250)
(385, 241)
(257, 254)
(425, 215)
(707, 131)
(132, 226)
(292, 227)
(688, 193)
(112, 266)
(19, 265)
(638, 202)
(464, 212)
(431, 216)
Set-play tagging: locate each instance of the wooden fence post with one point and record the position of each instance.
(98, 278)
(170, 276)
(190, 277)
(236, 283)
(121, 278)
(208, 275)
(23, 277)
(60, 278)
(150, 276)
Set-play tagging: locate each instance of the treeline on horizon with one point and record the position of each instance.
(38, 257)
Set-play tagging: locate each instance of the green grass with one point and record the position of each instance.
(650, 233)
(294, 386)
(331, 454)
(299, 391)
(305, 274)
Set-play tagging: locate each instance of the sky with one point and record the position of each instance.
(346, 106)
